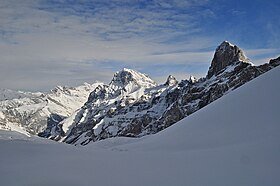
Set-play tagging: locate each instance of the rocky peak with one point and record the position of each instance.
(127, 76)
(123, 83)
(275, 61)
(59, 89)
(193, 79)
(171, 81)
(226, 54)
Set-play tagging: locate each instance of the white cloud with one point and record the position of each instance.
(43, 44)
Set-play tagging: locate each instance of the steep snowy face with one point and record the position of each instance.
(226, 54)
(130, 80)
(34, 112)
(126, 76)
(126, 83)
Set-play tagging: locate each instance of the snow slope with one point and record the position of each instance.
(233, 141)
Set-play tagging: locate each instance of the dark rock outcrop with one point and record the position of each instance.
(226, 54)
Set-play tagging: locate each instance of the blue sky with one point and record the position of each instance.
(44, 43)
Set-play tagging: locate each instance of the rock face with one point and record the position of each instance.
(133, 105)
(171, 80)
(226, 54)
(275, 62)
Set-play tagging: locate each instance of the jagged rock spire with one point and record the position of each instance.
(225, 55)
(171, 81)
(193, 79)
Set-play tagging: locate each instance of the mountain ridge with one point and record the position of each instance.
(132, 104)
(31, 113)
(158, 107)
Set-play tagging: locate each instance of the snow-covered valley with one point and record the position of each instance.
(233, 141)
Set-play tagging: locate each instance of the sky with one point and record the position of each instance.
(44, 43)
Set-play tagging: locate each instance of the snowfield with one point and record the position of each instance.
(233, 141)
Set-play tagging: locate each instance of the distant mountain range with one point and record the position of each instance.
(31, 113)
(131, 105)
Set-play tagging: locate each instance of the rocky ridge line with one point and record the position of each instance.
(133, 109)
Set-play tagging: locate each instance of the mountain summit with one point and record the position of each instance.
(226, 54)
(127, 76)
(171, 81)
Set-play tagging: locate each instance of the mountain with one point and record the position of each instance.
(226, 54)
(32, 113)
(132, 105)
(126, 87)
(7, 94)
(233, 141)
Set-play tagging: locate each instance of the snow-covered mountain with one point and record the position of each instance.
(233, 141)
(31, 113)
(7, 94)
(126, 87)
(133, 105)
